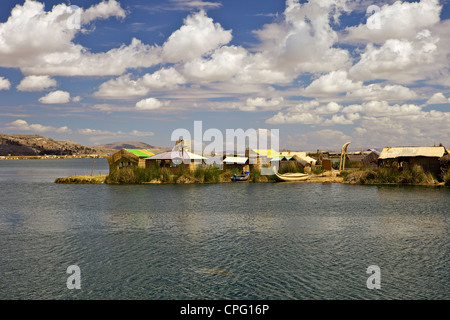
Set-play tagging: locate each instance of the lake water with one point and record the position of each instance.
(274, 241)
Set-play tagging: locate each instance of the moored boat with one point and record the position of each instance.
(291, 176)
(240, 177)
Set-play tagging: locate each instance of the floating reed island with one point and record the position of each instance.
(415, 176)
(401, 165)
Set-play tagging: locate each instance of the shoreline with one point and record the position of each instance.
(48, 157)
(101, 179)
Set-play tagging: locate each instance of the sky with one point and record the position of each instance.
(321, 72)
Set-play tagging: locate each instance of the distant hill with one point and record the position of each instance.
(134, 145)
(34, 145)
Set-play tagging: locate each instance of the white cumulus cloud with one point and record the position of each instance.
(438, 98)
(149, 104)
(5, 84)
(197, 36)
(36, 83)
(22, 125)
(55, 97)
(41, 43)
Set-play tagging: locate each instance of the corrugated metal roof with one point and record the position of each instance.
(238, 160)
(142, 153)
(269, 153)
(170, 155)
(294, 153)
(397, 152)
(281, 158)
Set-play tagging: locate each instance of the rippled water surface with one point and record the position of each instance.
(217, 241)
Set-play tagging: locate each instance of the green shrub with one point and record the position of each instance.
(416, 175)
(446, 177)
(317, 170)
(255, 176)
(211, 175)
(387, 175)
(361, 177)
(353, 164)
(344, 174)
(166, 175)
(126, 176)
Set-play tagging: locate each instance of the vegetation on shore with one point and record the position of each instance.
(413, 176)
(135, 175)
(83, 179)
(446, 178)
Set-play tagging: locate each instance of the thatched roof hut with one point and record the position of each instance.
(367, 159)
(355, 157)
(128, 157)
(426, 157)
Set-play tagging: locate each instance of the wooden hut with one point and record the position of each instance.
(406, 157)
(128, 157)
(236, 162)
(355, 157)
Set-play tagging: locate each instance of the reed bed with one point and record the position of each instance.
(414, 176)
(135, 175)
(446, 177)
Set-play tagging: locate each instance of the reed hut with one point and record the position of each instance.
(300, 155)
(370, 160)
(127, 158)
(355, 157)
(407, 157)
(366, 159)
(302, 162)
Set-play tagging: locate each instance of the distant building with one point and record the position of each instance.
(175, 160)
(355, 157)
(367, 159)
(235, 162)
(406, 157)
(300, 155)
(370, 160)
(127, 158)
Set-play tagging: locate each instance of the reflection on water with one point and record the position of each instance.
(218, 241)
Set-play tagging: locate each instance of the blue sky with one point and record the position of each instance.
(323, 72)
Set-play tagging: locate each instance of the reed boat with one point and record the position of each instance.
(292, 176)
